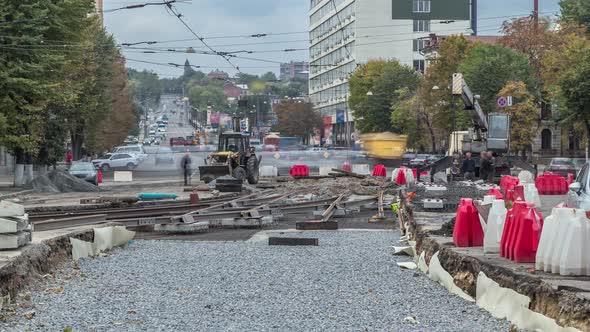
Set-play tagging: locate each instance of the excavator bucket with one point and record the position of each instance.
(210, 173)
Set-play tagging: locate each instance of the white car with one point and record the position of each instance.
(116, 161)
(162, 130)
(209, 129)
(136, 150)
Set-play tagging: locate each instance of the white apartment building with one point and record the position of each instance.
(344, 33)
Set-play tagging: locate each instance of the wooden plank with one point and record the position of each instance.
(292, 241)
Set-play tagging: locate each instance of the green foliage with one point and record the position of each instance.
(297, 118)
(488, 68)
(268, 77)
(575, 89)
(147, 87)
(382, 79)
(577, 11)
(405, 118)
(201, 96)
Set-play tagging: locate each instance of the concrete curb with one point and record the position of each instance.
(566, 307)
(38, 259)
(16, 193)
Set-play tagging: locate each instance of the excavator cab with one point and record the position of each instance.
(499, 132)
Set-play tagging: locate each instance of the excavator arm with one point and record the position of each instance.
(480, 122)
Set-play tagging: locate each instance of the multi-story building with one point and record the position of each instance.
(345, 33)
(294, 69)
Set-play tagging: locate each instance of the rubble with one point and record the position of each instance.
(58, 181)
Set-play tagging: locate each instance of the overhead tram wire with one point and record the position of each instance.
(142, 5)
(179, 17)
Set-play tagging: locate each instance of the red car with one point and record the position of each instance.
(561, 166)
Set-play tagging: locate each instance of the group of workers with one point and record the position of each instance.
(487, 165)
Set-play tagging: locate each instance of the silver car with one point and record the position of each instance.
(84, 171)
(578, 195)
(116, 161)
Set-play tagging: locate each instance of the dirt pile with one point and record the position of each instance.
(57, 181)
(335, 186)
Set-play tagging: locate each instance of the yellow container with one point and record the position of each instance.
(387, 146)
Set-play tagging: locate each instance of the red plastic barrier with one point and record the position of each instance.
(380, 170)
(527, 235)
(509, 224)
(519, 193)
(346, 167)
(510, 195)
(299, 171)
(401, 177)
(99, 176)
(551, 184)
(570, 179)
(496, 192)
(415, 172)
(467, 231)
(508, 182)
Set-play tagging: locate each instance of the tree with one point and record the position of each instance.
(488, 68)
(380, 78)
(441, 113)
(202, 96)
(523, 113)
(577, 11)
(296, 118)
(269, 77)
(406, 115)
(243, 78)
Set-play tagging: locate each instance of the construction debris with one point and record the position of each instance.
(57, 181)
(15, 230)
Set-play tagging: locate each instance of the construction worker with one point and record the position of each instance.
(186, 167)
(468, 167)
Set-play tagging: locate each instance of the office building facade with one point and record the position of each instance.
(345, 33)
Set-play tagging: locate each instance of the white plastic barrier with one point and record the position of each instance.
(394, 175)
(531, 194)
(123, 176)
(269, 171)
(488, 199)
(564, 246)
(494, 227)
(409, 176)
(362, 169)
(525, 177)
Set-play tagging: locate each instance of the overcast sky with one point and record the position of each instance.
(227, 18)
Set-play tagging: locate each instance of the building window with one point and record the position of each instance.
(419, 44)
(419, 65)
(421, 6)
(546, 139)
(421, 26)
(545, 110)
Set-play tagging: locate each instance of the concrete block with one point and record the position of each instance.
(269, 171)
(9, 209)
(198, 227)
(14, 241)
(14, 224)
(123, 176)
(316, 225)
(433, 203)
(325, 170)
(362, 169)
(435, 188)
(292, 241)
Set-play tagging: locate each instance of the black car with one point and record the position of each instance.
(85, 171)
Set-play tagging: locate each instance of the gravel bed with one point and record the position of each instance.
(350, 282)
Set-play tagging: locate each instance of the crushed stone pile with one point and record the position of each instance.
(57, 181)
(337, 186)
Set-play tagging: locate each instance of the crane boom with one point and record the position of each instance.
(480, 122)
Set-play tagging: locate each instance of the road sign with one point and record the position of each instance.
(502, 102)
(275, 122)
(509, 100)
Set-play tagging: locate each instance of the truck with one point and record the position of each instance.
(487, 133)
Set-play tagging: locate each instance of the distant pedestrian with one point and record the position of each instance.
(186, 168)
(69, 159)
(468, 167)
(492, 169)
(484, 166)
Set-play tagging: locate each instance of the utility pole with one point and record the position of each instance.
(536, 16)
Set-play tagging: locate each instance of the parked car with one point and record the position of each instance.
(116, 161)
(136, 150)
(85, 171)
(164, 156)
(561, 166)
(578, 195)
(419, 162)
(407, 158)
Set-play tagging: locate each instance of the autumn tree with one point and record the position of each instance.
(296, 118)
(372, 87)
(408, 118)
(488, 68)
(523, 116)
(577, 11)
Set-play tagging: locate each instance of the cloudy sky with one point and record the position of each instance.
(225, 24)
